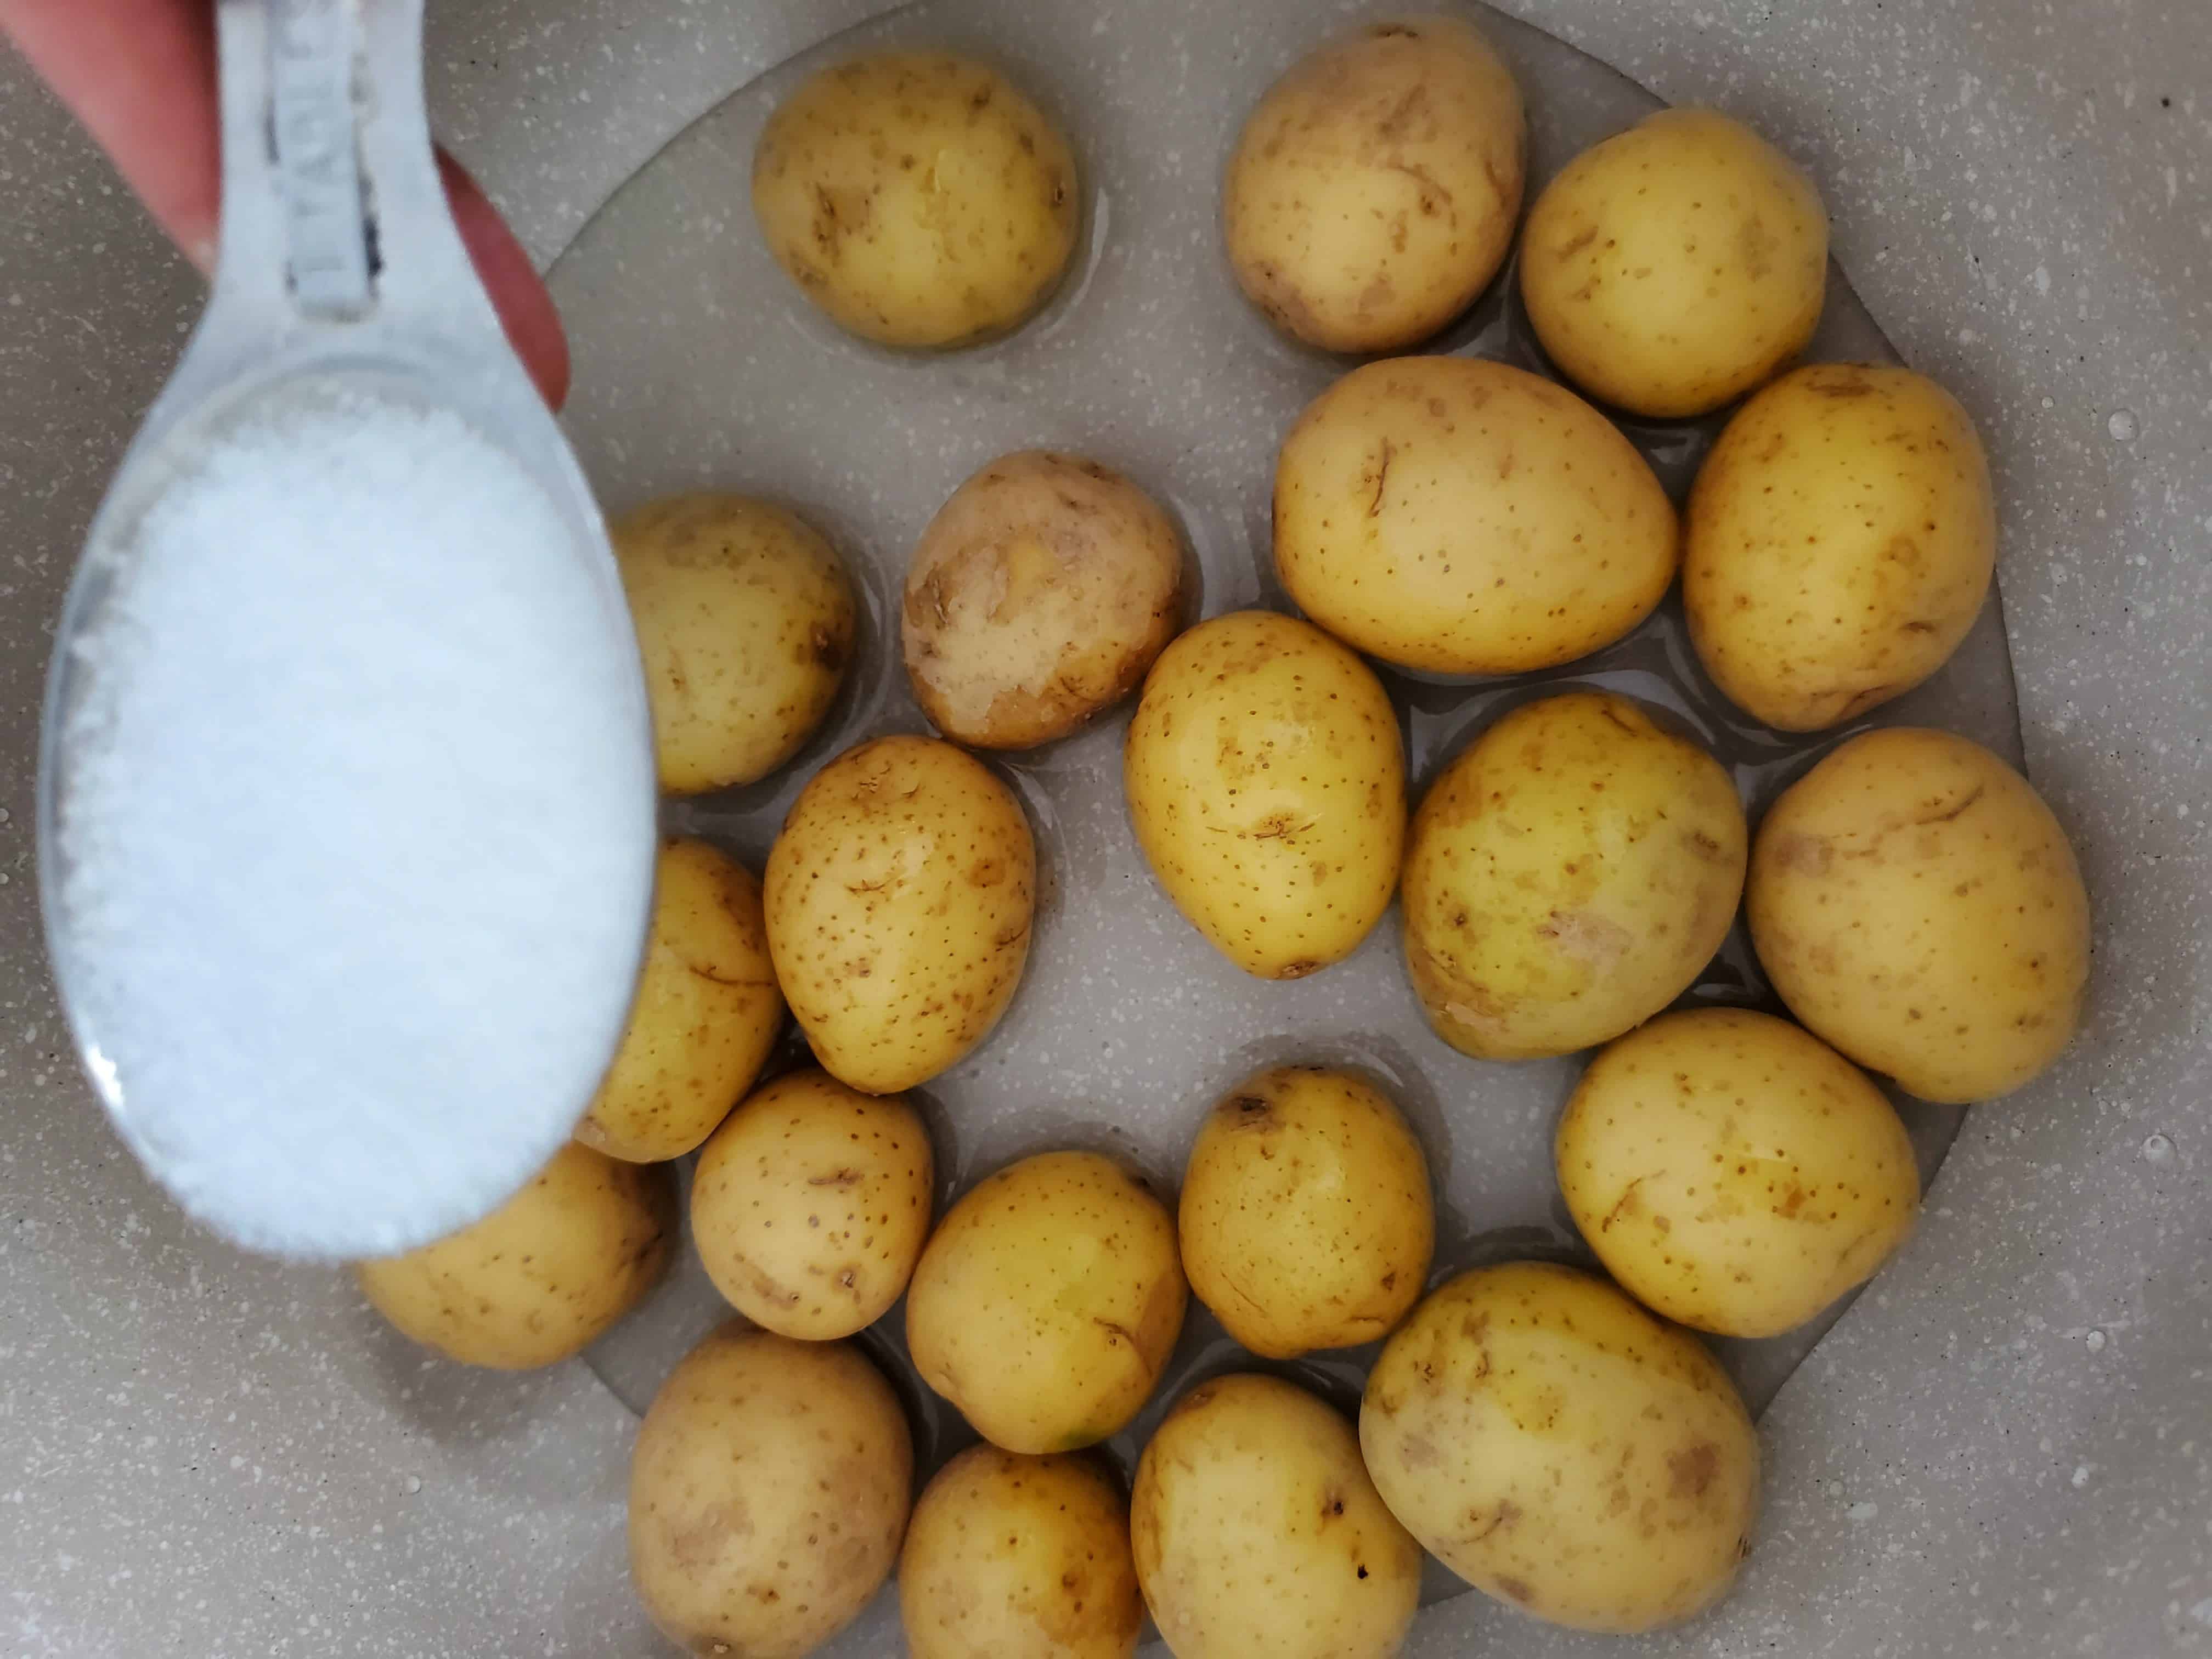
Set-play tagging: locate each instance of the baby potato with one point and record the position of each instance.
(1569, 875)
(917, 198)
(1373, 191)
(899, 898)
(768, 1492)
(542, 1277)
(746, 621)
(1919, 908)
(810, 1203)
(1047, 1302)
(1020, 1558)
(1561, 1449)
(1258, 1531)
(1039, 595)
(1267, 785)
(1732, 1173)
(1842, 536)
(1306, 1220)
(705, 1015)
(1462, 517)
(1677, 264)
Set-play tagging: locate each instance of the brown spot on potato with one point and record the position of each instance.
(1689, 1472)
(1420, 1452)
(1517, 1589)
(1808, 853)
(1503, 1518)
(1587, 235)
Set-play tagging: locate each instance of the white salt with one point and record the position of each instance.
(356, 826)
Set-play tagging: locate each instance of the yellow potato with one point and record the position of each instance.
(1020, 1558)
(1841, 539)
(706, 1013)
(1039, 595)
(1732, 1173)
(1919, 908)
(746, 621)
(1561, 1449)
(1047, 1302)
(1267, 785)
(1306, 1219)
(1258, 1531)
(917, 198)
(1677, 264)
(899, 897)
(1373, 193)
(810, 1203)
(542, 1277)
(767, 1493)
(1569, 875)
(1462, 517)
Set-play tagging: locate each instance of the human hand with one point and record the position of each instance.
(141, 76)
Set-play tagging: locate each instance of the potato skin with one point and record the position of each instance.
(1842, 536)
(810, 1203)
(1257, 1530)
(1463, 517)
(1373, 193)
(1569, 874)
(705, 1015)
(1676, 265)
(1047, 1302)
(899, 898)
(1919, 908)
(1734, 1173)
(1265, 779)
(1020, 1558)
(921, 199)
(542, 1277)
(1038, 596)
(769, 1490)
(1306, 1218)
(1561, 1449)
(746, 619)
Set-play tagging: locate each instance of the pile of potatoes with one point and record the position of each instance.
(1556, 1437)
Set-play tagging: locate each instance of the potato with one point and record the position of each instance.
(1919, 908)
(1047, 1302)
(1266, 780)
(767, 1493)
(900, 895)
(1039, 595)
(1676, 265)
(1373, 193)
(810, 1203)
(1461, 516)
(917, 198)
(1020, 1558)
(745, 620)
(1306, 1219)
(1732, 1173)
(1841, 539)
(542, 1277)
(705, 1015)
(1561, 1449)
(1569, 874)
(1257, 1531)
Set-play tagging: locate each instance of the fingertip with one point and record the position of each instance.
(526, 309)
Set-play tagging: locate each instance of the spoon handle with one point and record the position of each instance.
(334, 217)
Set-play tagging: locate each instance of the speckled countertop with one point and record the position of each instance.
(2006, 1446)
